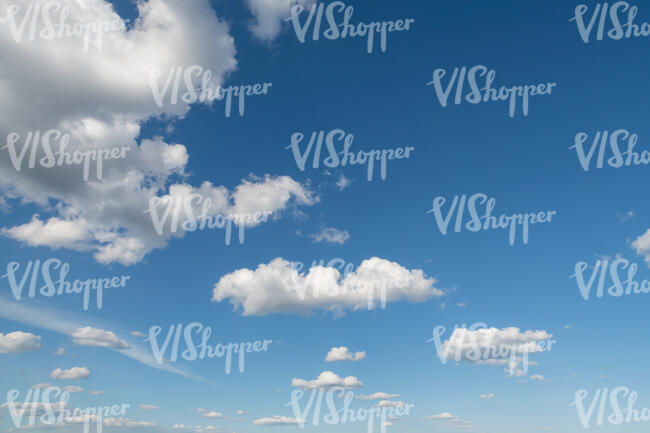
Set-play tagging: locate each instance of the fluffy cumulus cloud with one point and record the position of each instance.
(74, 373)
(276, 420)
(269, 15)
(642, 246)
(278, 287)
(99, 99)
(326, 380)
(343, 354)
(18, 341)
(98, 337)
(493, 346)
(331, 235)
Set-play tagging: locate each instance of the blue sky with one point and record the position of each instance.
(524, 162)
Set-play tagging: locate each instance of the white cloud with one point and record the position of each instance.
(343, 183)
(331, 235)
(98, 337)
(444, 415)
(100, 100)
(276, 420)
(492, 346)
(18, 341)
(343, 354)
(60, 351)
(377, 396)
(242, 412)
(537, 377)
(211, 414)
(126, 422)
(72, 374)
(73, 388)
(270, 15)
(642, 246)
(389, 403)
(149, 407)
(487, 396)
(42, 385)
(96, 392)
(278, 287)
(624, 217)
(137, 334)
(326, 380)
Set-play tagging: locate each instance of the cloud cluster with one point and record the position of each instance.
(100, 99)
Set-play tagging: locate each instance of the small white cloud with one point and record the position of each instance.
(331, 235)
(343, 354)
(42, 386)
(137, 334)
(343, 183)
(626, 216)
(461, 304)
(327, 379)
(72, 374)
(73, 389)
(60, 351)
(276, 420)
(642, 246)
(443, 416)
(15, 342)
(149, 407)
(537, 377)
(487, 396)
(377, 396)
(243, 412)
(98, 337)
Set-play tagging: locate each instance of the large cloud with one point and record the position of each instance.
(278, 287)
(100, 99)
